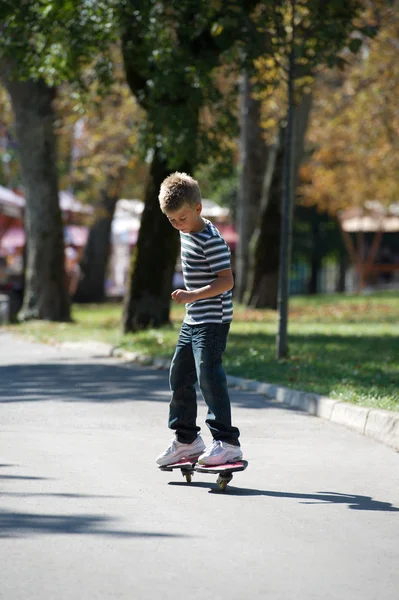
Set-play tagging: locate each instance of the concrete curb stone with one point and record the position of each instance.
(383, 426)
(380, 425)
(354, 417)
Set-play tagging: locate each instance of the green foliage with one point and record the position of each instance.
(173, 53)
(324, 28)
(325, 33)
(219, 187)
(52, 39)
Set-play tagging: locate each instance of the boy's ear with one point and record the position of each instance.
(198, 208)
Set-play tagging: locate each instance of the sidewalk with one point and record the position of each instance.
(380, 425)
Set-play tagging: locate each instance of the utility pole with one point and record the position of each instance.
(287, 204)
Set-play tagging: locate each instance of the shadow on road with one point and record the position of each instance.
(101, 383)
(13, 524)
(22, 477)
(85, 382)
(353, 501)
(65, 495)
(18, 524)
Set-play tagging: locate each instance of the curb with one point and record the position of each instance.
(380, 425)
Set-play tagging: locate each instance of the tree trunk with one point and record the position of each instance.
(340, 285)
(266, 241)
(267, 245)
(147, 303)
(315, 268)
(46, 295)
(252, 157)
(93, 266)
(316, 255)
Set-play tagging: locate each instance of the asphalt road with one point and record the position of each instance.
(85, 514)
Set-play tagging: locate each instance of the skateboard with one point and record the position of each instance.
(186, 467)
(224, 472)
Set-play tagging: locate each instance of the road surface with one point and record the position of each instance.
(85, 514)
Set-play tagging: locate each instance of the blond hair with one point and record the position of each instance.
(178, 189)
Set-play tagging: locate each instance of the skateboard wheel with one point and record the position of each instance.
(223, 481)
(222, 484)
(188, 477)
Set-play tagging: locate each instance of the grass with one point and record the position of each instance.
(342, 346)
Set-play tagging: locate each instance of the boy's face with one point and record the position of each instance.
(187, 219)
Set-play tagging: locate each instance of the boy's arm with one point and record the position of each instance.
(223, 283)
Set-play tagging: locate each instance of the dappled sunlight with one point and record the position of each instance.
(343, 346)
(361, 369)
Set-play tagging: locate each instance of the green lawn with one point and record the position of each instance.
(342, 346)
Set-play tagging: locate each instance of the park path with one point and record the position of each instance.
(85, 514)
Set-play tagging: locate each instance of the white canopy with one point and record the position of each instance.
(373, 217)
(11, 204)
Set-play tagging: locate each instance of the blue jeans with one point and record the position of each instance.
(198, 357)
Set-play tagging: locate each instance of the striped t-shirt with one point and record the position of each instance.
(203, 255)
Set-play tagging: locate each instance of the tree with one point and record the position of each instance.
(171, 53)
(265, 242)
(253, 153)
(316, 236)
(42, 44)
(101, 160)
(354, 161)
(330, 25)
(45, 294)
(304, 35)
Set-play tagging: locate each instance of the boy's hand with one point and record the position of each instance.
(223, 282)
(182, 296)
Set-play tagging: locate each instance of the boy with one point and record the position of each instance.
(205, 259)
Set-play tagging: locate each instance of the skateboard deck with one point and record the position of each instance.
(186, 467)
(239, 465)
(224, 472)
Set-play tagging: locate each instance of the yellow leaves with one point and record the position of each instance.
(101, 141)
(6, 117)
(354, 129)
(268, 123)
(216, 29)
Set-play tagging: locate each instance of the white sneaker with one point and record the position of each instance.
(219, 453)
(177, 451)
